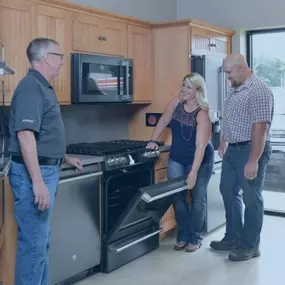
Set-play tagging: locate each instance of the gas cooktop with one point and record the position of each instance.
(117, 153)
(106, 147)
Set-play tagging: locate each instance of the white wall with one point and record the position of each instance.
(151, 10)
(235, 15)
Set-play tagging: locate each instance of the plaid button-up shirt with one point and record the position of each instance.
(250, 103)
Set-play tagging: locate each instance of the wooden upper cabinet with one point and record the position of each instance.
(140, 49)
(208, 42)
(56, 24)
(222, 45)
(99, 35)
(16, 33)
(201, 41)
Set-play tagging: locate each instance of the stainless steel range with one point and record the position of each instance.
(128, 166)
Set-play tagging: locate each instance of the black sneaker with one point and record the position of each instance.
(223, 244)
(241, 254)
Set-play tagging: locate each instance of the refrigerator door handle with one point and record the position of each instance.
(223, 90)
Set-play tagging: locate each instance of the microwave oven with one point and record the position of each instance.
(101, 79)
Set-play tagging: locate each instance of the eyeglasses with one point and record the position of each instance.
(58, 54)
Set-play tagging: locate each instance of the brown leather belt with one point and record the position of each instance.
(42, 160)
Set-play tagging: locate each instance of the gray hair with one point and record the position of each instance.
(37, 47)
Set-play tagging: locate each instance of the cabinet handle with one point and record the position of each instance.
(102, 38)
(212, 45)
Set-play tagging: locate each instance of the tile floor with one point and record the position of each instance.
(165, 266)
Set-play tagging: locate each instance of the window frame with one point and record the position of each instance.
(249, 47)
(250, 33)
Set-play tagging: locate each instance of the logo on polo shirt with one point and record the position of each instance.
(28, 121)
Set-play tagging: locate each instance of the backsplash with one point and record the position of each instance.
(91, 123)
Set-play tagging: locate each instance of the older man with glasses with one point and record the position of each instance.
(37, 148)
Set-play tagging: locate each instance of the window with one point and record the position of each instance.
(266, 57)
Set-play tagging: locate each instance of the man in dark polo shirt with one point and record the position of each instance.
(37, 148)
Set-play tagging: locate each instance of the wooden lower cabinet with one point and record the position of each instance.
(167, 222)
(8, 250)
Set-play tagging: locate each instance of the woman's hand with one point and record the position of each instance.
(191, 179)
(152, 145)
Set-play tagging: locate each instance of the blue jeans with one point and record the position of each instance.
(191, 219)
(232, 182)
(33, 224)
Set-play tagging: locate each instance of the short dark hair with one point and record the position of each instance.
(35, 47)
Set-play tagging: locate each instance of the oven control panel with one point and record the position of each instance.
(121, 160)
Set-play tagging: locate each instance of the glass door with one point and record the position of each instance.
(267, 59)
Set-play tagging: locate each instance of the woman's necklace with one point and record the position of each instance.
(184, 118)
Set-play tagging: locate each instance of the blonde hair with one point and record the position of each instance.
(197, 81)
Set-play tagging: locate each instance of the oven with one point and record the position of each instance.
(131, 204)
(132, 209)
(100, 78)
(120, 188)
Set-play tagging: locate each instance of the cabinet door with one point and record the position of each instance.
(1, 213)
(115, 38)
(222, 46)
(140, 49)
(98, 35)
(201, 41)
(168, 221)
(56, 24)
(16, 33)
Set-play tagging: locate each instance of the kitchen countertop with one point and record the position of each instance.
(85, 159)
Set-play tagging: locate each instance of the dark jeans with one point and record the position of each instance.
(232, 182)
(33, 224)
(191, 219)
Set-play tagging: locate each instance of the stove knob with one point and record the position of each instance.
(110, 162)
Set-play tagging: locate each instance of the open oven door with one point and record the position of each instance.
(137, 230)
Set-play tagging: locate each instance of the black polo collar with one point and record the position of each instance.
(39, 76)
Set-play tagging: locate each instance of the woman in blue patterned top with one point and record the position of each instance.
(191, 154)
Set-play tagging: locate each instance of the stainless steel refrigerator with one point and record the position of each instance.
(210, 67)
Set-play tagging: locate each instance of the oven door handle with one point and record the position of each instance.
(120, 249)
(148, 199)
(81, 177)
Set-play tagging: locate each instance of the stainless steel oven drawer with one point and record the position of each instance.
(130, 248)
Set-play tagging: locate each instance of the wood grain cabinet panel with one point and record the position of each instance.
(16, 33)
(140, 49)
(56, 24)
(99, 35)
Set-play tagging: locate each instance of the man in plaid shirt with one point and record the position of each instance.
(246, 150)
